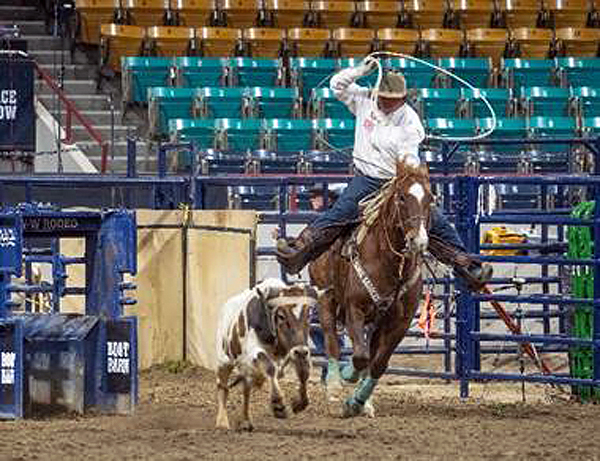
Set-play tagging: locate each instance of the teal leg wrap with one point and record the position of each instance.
(349, 374)
(333, 370)
(364, 390)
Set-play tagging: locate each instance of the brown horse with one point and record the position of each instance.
(372, 278)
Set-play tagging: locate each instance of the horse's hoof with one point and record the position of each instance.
(245, 426)
(369, 409)
(279, 410)
(351, 408)
(299, 405)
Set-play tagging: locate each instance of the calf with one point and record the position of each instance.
(260, 331)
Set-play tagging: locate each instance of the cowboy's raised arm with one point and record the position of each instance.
(343, 86)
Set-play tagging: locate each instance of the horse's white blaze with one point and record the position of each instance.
(417, 191)
(422, 240)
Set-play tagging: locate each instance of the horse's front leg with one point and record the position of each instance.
(384, 340)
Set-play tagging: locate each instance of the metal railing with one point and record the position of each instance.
(72, 111)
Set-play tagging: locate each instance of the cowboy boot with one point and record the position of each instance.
(294, 254)
(470, 269)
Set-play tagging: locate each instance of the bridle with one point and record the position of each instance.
(419, 220)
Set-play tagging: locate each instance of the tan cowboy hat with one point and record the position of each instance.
(393, 85)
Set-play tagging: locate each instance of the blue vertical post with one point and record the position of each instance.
(467, 318)
(198, 191)
(544, 267)
(283, 209)
(162, 161)
(131, 158)
(596, 334)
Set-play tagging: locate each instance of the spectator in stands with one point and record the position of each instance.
(387, 130)
(317, 198)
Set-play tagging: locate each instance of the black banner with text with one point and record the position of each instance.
(17, 112)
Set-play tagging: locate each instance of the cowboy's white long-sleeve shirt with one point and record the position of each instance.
(379, 141)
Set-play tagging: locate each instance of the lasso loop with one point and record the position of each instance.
(476, 91)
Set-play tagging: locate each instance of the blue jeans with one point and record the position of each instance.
(345, 210)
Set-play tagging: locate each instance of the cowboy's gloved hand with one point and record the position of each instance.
(367, 65)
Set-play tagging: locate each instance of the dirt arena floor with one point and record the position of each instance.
(416, 419)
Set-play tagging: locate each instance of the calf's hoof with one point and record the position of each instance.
(222, 425)
(279, 410)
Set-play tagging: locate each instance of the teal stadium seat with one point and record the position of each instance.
(310, 73)
(224, 102)
(256, 72)
(506, 128)
(519, 72)
(339, 133)
(139, 74)
(326, 105)
(451, 127)
(289, 136)
(200, 132)
(553, 127)
(476, 71)
(578, 72)
(198, 72)
(165, 104)
(587, 100)
(276, 102)
(546, 101)
(437, 102)
(501, 100)
(590, 125)
(417, 75)
(239, 135)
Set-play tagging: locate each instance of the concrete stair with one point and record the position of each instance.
(79, 72)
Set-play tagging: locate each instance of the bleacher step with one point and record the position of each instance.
(82, 101)
(34, 27)
(51, 57)
(70, 87)
(15, 12)
(45, 42)
(71, 71)
(120, 131)
(99, 117)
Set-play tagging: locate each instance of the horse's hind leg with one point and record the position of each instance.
(327, 319)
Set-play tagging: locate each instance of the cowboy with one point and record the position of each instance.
(387, 131)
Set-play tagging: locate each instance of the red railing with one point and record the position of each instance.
(71, 111)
